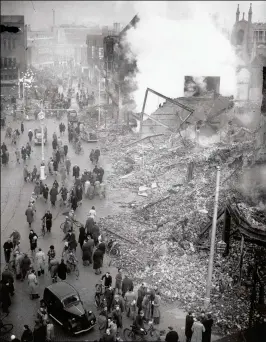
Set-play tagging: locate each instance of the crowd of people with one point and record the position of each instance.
(118, 297)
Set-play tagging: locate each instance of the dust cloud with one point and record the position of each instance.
(166, 50)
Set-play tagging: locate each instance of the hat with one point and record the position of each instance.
(170, 328)
(12, 337)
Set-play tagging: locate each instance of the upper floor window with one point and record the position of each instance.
(13, 43)
(259, 36)
(14, 62)
(10, 62)
(9, 44)
(5, 62)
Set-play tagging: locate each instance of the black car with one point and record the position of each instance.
(66, 308)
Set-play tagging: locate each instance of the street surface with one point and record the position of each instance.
(15, 195)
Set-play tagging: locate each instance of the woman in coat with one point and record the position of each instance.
(82, 236)
(197, 330)
(147, 307)
(74, 203)
(95, 234)
(97, 261)
(45, 192)
(87, 250)
(141, 294)
(32, 282)
(53, 195)
(156, 309)
(33, 240)
(29, 214)
(79, 193)
(37, 189)
(40, 261)
(208, 323)
(48, 217)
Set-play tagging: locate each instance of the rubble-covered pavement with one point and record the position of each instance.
(159, 230)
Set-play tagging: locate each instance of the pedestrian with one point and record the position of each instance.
(68, 165)
(76, 171)
(62, 270)
(95, 234)
(208, 323)
(18, 258)
(101, 246)
(33, 240)
(97, 188)
(89, 225)
(7, 278)
(63, 192)
(92, 213)
(97, 261)
(117, 317)
(18, 155)
(40, 262)
(188, 325)
(54, 144)
(37, 189)
(8, 247)
(32, 282)
(30, 215)
(50, 335)
(172, 335)
(65, 150)
(22, 127)
(28, 149)
(53, 268)
(39, 332)
(51, 254)
(107, 279)
(45, 192)
(27, 335)
(41, 187)
(30, 135)
(97, 155)
(156, 315)
(16, 238)
(131, 304)
(55, 166)
(5, 296)
(141, 294)
(25, 173)
(197, 330)
(92, 156)
(100, 174)
(48, 219)
(118, 300)
(53, 195)
(82, 236)
(127, 284)
(79, 193)
(87, 250)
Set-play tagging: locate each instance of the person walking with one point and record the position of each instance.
(197, 330)
(37, 190)
(33, 241)
(48, 219)
(92, 213)
(32, 282)
(8, 278)
(97, 261)
(22, 127)
(53, 195)
(8, 247)
(65, 147)
(50, 335)
(208, 323)
(82, 236)
(5, 296)
(156, 315)
(18, 155)
(131, 304)
(27, 335)
(188, 326)
(76, 171)
(39, 332)
(68, 165)
(40, 262)
(87, 250)
(30, 215)
(118, 281)
(141, 294)
(45, 193)
(172, 335)
(30, 135)
(62, 270)
(127, 284)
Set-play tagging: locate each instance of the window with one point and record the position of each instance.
(70, 300)
(10, 62)
(14, 43)
(9, 44)
(260, 36)
(11, 77)
(5, 62)
(14, 62)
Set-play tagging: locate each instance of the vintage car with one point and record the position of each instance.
(66, 308)
(72, 115)
(38, 136)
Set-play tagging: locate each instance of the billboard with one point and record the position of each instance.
(197, 86)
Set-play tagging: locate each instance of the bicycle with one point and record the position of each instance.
(112, 248)
(131, 335)
(73, 268)
(99, 297)
(79, 150)
(5, 328)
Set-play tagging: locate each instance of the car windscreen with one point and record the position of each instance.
(70, 300)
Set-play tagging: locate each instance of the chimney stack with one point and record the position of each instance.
(250, 14)
(237, 13)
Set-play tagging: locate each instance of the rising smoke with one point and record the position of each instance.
(167, 50)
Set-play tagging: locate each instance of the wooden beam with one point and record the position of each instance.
(148, 137)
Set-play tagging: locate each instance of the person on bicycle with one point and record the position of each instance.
(72, 260)
(107, 280)
(63, 192)
(47, 220)
(139, 324)
(51, 254)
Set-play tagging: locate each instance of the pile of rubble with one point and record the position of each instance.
(158, 235)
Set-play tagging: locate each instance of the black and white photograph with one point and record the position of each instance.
(133, 171)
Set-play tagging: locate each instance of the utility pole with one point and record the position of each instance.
(213, 236)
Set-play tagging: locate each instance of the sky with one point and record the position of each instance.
(39, 13)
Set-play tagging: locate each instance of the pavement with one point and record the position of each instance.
(15, 194)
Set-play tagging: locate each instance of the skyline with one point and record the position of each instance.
(39, 14)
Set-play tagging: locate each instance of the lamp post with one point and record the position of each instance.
(99, 98)
(41, 117)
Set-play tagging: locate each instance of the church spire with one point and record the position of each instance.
(243, 16)
(250, 13)
(237, 13)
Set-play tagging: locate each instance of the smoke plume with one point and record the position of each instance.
(168, 49)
